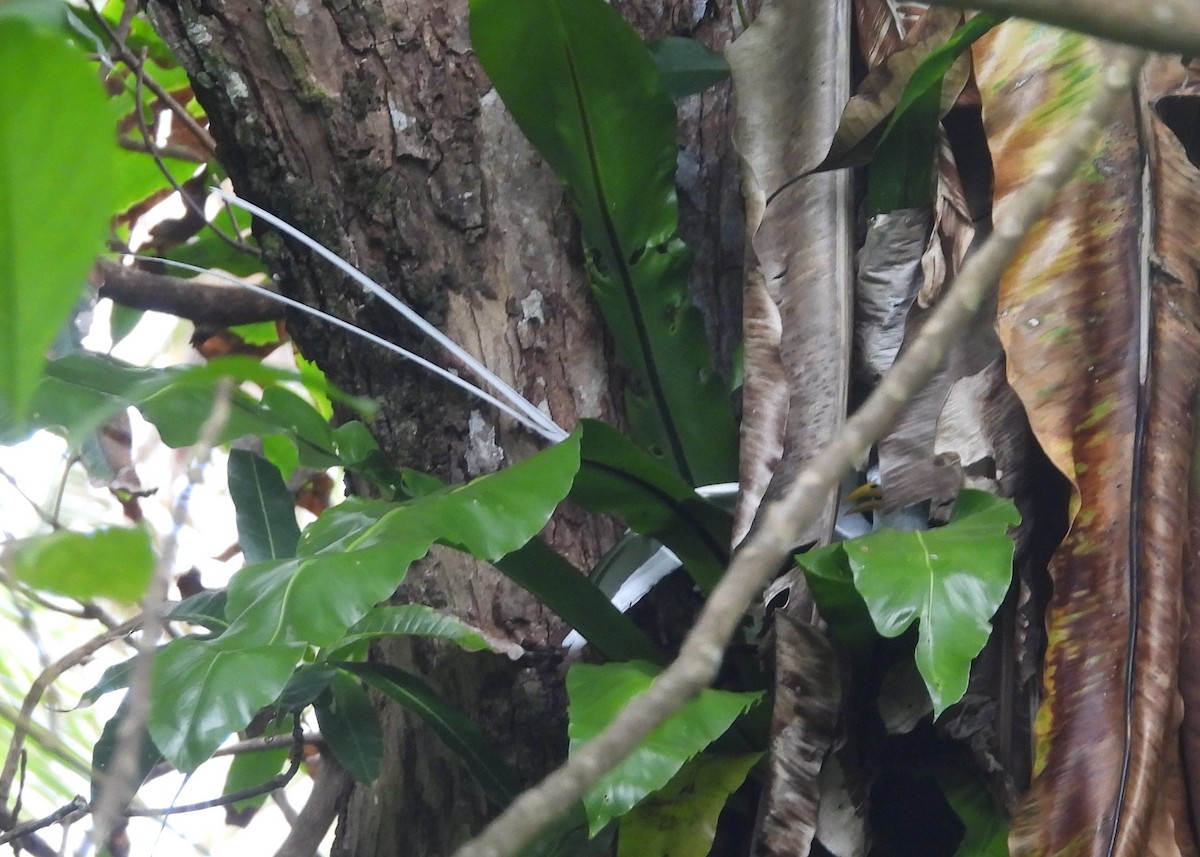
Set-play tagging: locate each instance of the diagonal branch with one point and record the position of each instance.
(774, 535)
(1168, 26)
(204, 303)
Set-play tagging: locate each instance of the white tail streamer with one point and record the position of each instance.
(538, 428)
(548, 428)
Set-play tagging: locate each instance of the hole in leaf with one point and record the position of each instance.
(636, 255)
(1181, 113)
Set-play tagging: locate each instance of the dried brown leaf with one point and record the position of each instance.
(1078, 312)
(791, 74)
(808, 696)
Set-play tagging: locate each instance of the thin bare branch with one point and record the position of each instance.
(1167, 26)
(319, 812)
(130, 59)
(267, 742)
(203, 303)
(234, 241)
(76, 807)
(773, 538)
(122, 777)
(23, 721)
(276, 782)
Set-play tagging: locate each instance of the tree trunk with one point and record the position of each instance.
(372, 127)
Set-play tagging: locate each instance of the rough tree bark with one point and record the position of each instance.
(372, 127)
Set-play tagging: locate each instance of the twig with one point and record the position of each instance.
(77, 805)
(773, 537)
(139, 71)
(46, 517)
(23, 721)
(127, 56)
(121, 781)
(276, 782)
(1168, 26)
(62, 488)
(204, 303)
(267, 742)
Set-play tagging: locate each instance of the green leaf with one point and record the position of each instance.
(349, 726)
(901, 173)
(827, 571)
(616, 477)
(567, 591)
(206, 609)
(951, 580)
(248, 770)
(418, 620)
(114, 562)
(350, 559)
(598, 693)
(113, 678)
(986, 825)
(686, 67)
(680, 819)
(458, 732)
(79, 392)
(44, 14)
(56, 195)
(106, 746)
(280, 450)
(204, 690)
(306, 684)
(355, 555)
(266, 509)
(585, 91)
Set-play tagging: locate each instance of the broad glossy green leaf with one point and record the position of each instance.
(681, 818)
(56, 195)
(349, 726)
(598, 693)
(950, 580)
(265, 508)
(204, 690)
(616, 477)
(686, 67)
(458, 732)
(106, 746)
(113, 562)
(419, 620)
(586, 93)
(355, 555)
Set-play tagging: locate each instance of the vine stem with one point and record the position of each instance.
(779, 524)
